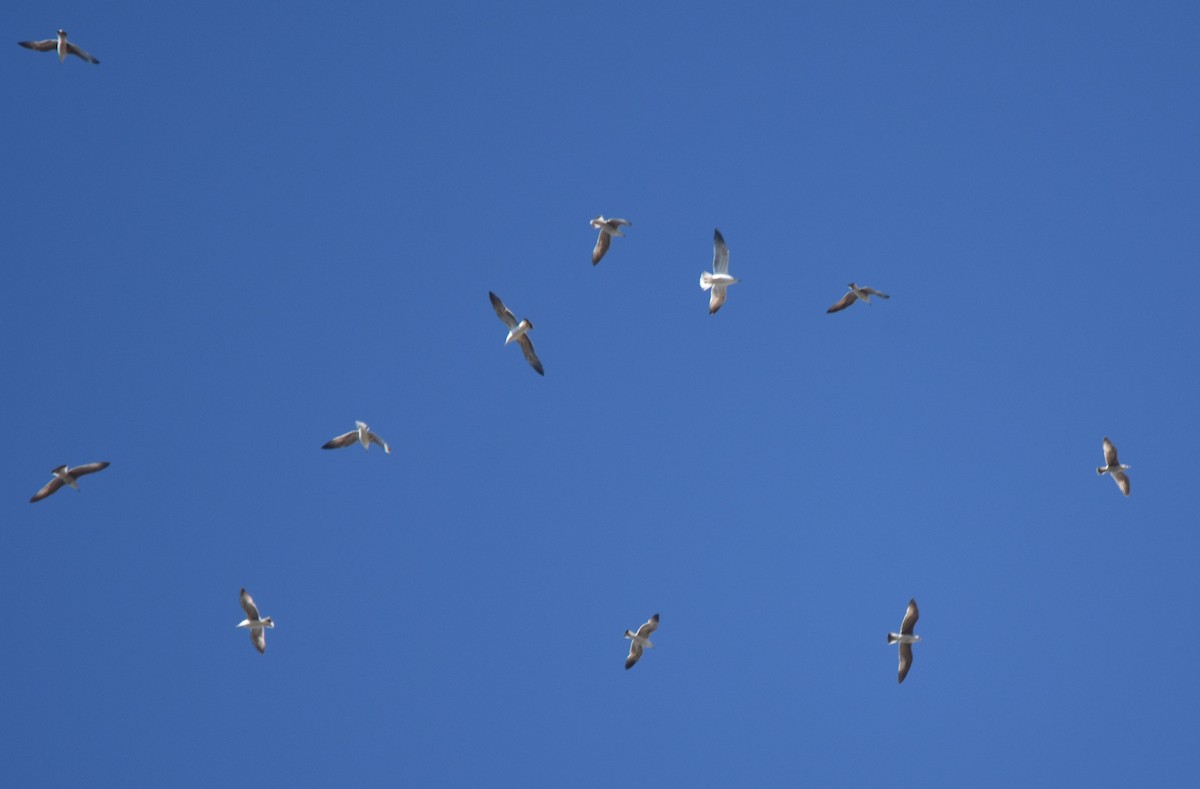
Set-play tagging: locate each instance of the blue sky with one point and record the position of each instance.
(250, 226)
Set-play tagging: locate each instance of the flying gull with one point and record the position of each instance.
(906, 639)
(856, 293)
(362, 434)
(608, 228)
(63, 46)
(1114, 467)
(639, 640)
(517, 331)
(67, 476)
(719, 280)
(258, 635)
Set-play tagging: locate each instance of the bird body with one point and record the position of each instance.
(256, 623)
(906, 638)
(361, 434)
(518, 331)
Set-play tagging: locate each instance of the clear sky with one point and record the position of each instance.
(254, 223)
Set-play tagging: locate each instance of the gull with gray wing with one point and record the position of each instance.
(61, 45)
(608, 228)
(1114, 467)
(258, 636)
(360, 434)
(518, 331)
(719, 279)
(854, 295)
(906, 639)
(65, 475)
(640, 640)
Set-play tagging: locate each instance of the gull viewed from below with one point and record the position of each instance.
(258, 636)
(1113, 467)
(906, 639)
(61, 44)
(719, 280)
(608, 228)
(854, 295)
(640, 640)
(63, 475)
(517, 330)
(362, 434)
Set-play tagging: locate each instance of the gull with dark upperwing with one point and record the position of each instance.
(361, 434)
(64, 475)
(719, 280)
(258, 636)
(854, 295)
(906, 639)
(640, 640)
(517, 330)
(1114, 467)
(608, 228)
(61, 44)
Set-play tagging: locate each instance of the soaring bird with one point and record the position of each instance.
(362, 434)
(856, 293)
(258, 635)
(719, 280)
(63, 46)
(640, 640)
(1114, 467)
(517, 330)
(906, 639)
(64, 475)
(608, 228)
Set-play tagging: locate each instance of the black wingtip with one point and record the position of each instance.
(717, 236)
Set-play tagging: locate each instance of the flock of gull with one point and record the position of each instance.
(716, 283)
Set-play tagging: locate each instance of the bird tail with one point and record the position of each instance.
(893, 638)
(705, 281)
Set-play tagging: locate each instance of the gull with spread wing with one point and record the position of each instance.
(258, 636)
(64, 475)
(719, 279)
(854, 295)
(517, 330)
(640, 640)
(906, 639)
(361, 434)
(608, 228)
(60, 44)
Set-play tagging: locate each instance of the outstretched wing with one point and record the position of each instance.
(344, 440)
(1110, 453)
(74, 50)
(873, 292)
(1122, 480)
(635, 652)
(720, 254)
(88, 468)
(846, 301)
(716, 298)
(648, 628)
(530, 356)
(905, 661)
(49, 488)
(601, 246)
(374, 439)
(503, 312)
(40, 46)
(249, 607)
(910, 618)
(258, 637)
